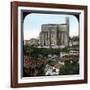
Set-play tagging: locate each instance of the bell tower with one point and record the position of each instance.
(68, 24)
(67, 20)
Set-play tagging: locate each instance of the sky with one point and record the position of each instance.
(32, 23)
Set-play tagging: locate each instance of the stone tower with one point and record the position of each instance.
(67, 22)
(55, 35)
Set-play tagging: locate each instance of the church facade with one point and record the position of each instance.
(54, 35)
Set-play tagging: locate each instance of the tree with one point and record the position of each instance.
(69, 68)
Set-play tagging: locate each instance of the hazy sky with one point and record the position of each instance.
(32, 23)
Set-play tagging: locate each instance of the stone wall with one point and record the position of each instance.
(54, 35)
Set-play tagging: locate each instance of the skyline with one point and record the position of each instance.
(32, 24)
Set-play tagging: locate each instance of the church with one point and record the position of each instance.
(54, 35)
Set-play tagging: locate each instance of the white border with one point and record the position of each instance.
(52, 78)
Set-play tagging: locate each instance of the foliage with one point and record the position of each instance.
(70, 68)
(35, 52)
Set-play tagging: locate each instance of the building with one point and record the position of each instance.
(31, 42)
(27, 42)
(74, 41)
(53, 69)
(54, 35)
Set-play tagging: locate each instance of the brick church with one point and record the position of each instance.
(54, 35)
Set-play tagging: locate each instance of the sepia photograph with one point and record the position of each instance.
(51, 45)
